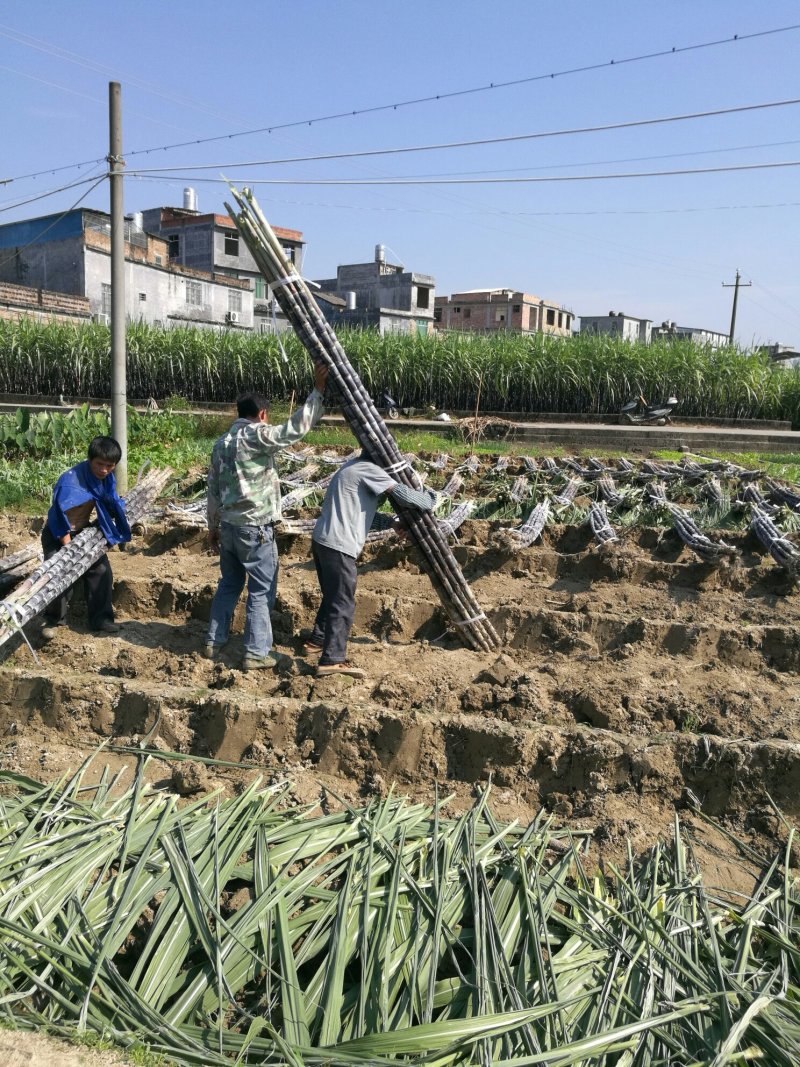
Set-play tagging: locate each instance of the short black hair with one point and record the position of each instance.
(105, 448)
(248, 405)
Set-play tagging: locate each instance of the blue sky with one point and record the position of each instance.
(656, 247)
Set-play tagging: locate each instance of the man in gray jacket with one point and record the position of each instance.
(347, 514)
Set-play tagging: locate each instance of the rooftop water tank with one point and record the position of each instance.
(350, 297)
(137, 221)
(189, 199)
(380, 254)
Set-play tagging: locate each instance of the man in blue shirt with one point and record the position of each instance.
(347, 514)
(88, 487)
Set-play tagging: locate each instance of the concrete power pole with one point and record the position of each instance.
(119, 398)
(736, 285)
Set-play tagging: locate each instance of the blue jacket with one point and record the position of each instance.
(77, 486)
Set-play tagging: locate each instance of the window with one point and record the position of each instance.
(517, 308)
(174, 245)
(259, 289)
(457, 310)
(194, 293)
(423, 297)
(467, 312)
(143, 296)
(437, 314)
(159, 260)
(289, 253)
(551, 317)
(499, 316)
(560, 319)
(231, 244)
(234, 300)
(105, 299)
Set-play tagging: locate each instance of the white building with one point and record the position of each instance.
(71, 253)
(617, 324)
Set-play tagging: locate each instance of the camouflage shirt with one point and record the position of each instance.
(243, 487)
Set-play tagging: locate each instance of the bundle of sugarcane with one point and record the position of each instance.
(457, 517)
(519, 489)
(470, 464)
(751, 494)
(302, 476)
(62, 570)
(601, 527)
(453, 487)
(530, 464)
(321, 342)
(624, 468)
(608, 490)
(709, 551)
(524, 536)
(779, 547)
(783, 494)
(440, 463)
(568, 493)
(13, 568)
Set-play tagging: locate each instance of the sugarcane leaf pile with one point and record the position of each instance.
(254, 931)
(362, 416)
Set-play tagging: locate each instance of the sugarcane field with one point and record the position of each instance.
(393, 672)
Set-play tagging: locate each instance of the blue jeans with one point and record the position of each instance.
(245, 553)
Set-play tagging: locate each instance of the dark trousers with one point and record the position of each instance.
(337, 580)
(98, 583)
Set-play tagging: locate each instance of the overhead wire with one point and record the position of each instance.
(474, 143)
(55, 222)
(432, 98)
(527, 180)
(50, 192)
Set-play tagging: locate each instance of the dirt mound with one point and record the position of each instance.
(631, 683)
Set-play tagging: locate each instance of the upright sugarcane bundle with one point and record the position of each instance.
(62, 570)
(321, 342)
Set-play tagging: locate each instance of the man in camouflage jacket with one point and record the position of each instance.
(244, 503)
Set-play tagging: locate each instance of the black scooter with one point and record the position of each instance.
(639, 413)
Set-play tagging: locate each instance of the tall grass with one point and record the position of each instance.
(506, 372)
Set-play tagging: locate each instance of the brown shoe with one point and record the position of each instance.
(347, 669)
(310, 649)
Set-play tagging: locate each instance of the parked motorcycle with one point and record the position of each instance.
(638, 412)
(388, 406)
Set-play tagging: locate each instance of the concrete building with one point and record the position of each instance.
(784, 355)
(490, 310)
(670, 331)
(379, 295)
(211, 243)
(617, 324)
(71, 253)
(41, 305)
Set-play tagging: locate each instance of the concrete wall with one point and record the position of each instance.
(493, 310)
(165, 294)
(56, 265)
(623, 326)
(380, 287)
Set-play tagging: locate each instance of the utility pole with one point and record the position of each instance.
(736, 285)
(119, 398)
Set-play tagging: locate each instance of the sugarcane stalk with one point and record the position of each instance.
(322, 344)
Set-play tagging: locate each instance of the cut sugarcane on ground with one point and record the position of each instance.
(631, 680)
(634, 681)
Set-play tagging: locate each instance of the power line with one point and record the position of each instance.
(538, 135)
(528, 180)
(735, 38)
(52, 192)
(467, 92)
(55, 222)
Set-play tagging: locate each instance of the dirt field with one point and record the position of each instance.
(632, 684)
